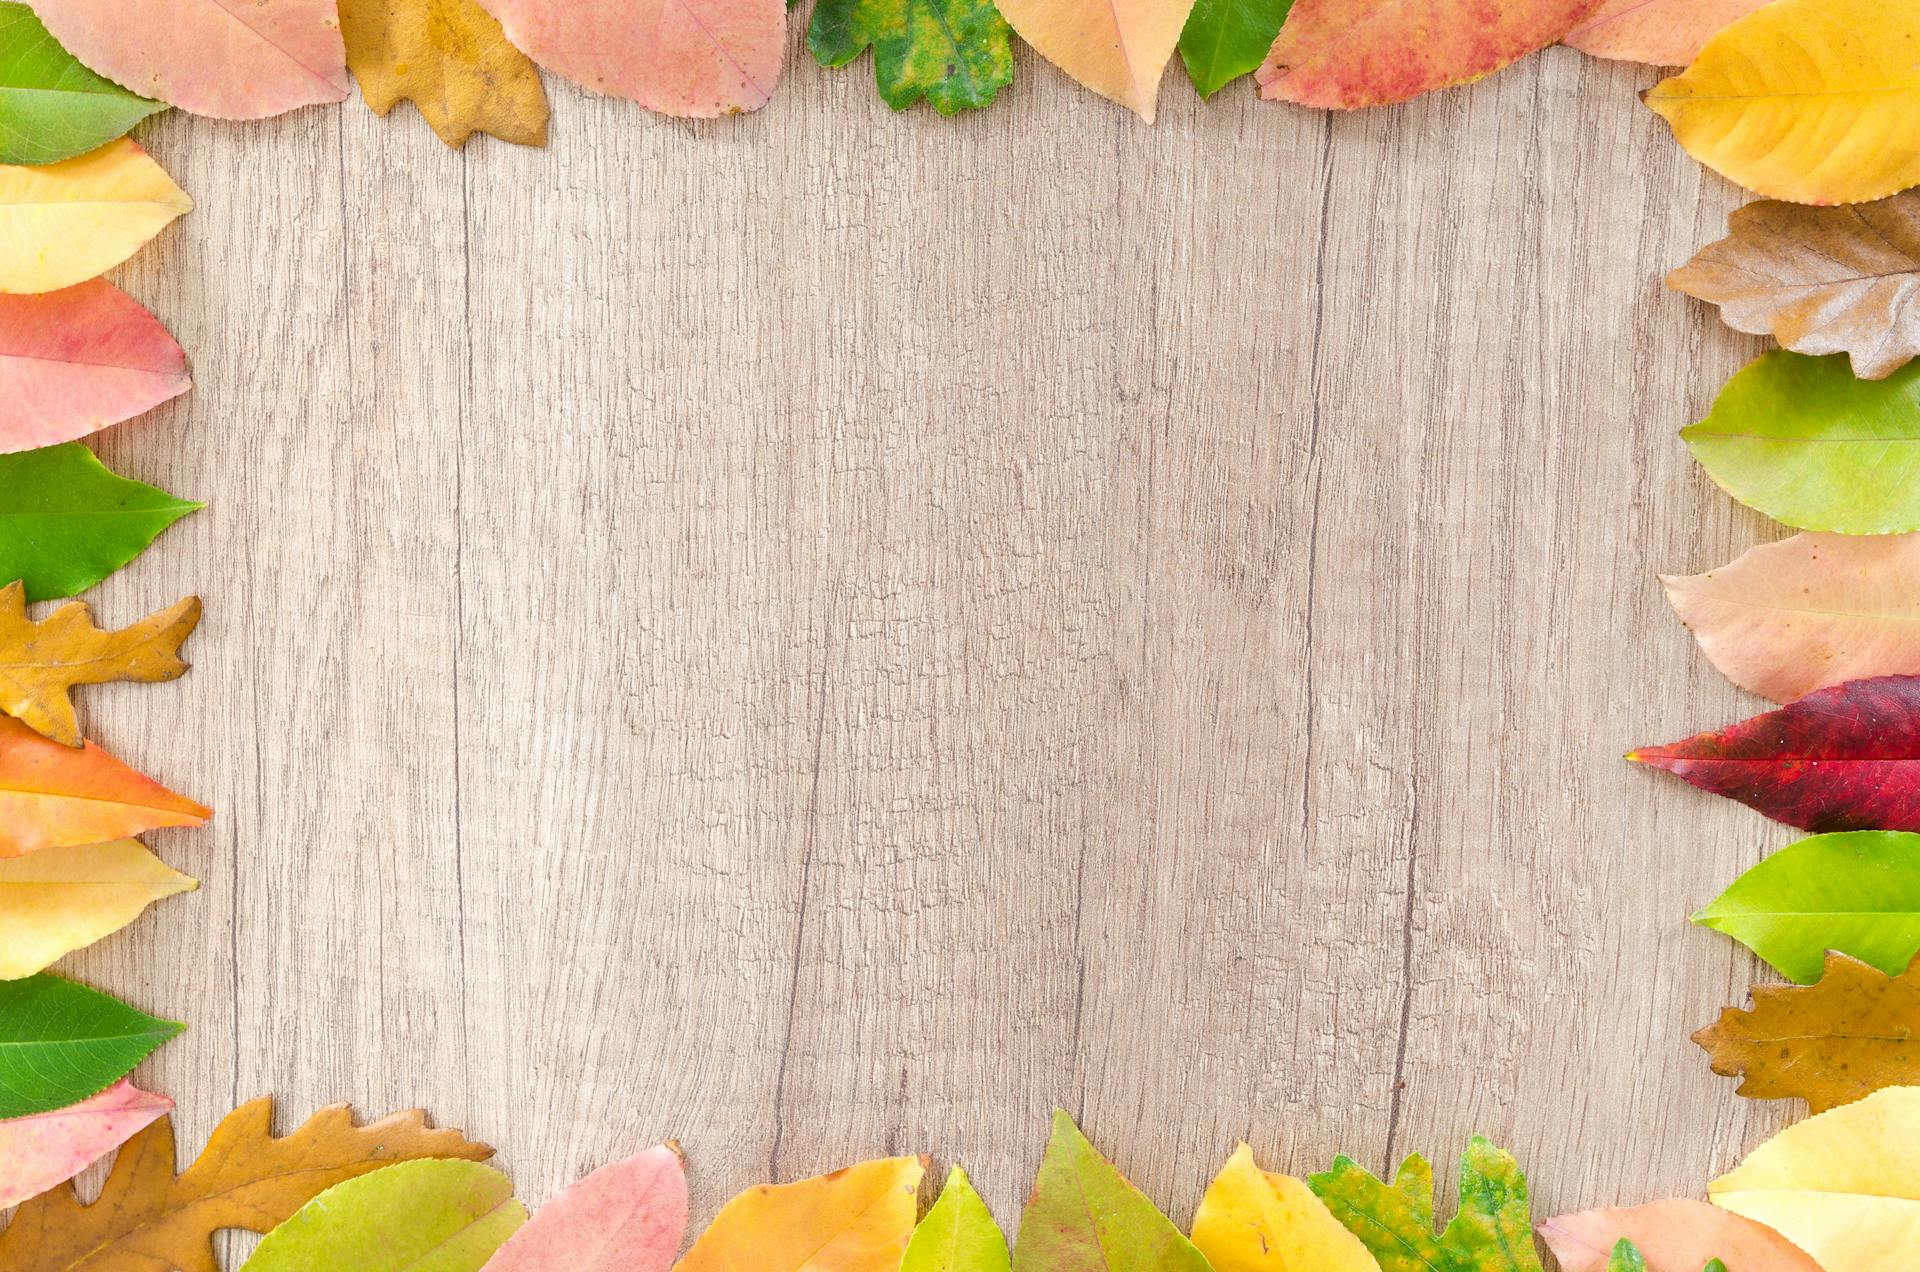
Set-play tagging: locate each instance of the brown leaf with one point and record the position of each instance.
(1820, 279)
(40, 662)
(147, 1217)
(452, 60)
(1853, 1033)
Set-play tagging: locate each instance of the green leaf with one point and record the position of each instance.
(954, 53)
(1493, 1232)
(1085, 1217)
(66, 522)
(1225, 39)
(61, 1043)
(958, 1234)
(51, 107)
(420, 1216)
(1714, 1265)
(1626, 1258)
(1803, 441)
(1856, 892)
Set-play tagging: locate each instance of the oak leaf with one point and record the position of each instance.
(627, 1217)
(1251, 1220)
(66, 222)
(1117, 48)
(51, 107)
(1657, 32)
(53, 796)
(47, 1149)
(77, 360)
(1674, 1236)
(61, 899)
(856, 1219)
(40, 662)
(149, 1217)
(452, 60)
(420, 1216)
(1491, 1233)
(1085, 1216)
(955, 54)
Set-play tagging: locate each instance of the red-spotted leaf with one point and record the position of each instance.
(47, 1149)
(627, 1217)
(74, 361)
(1845, 758)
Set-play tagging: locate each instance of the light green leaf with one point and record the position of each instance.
(1085, 1217)
(420, 1216)
(958, 1234)
(61, 1043)
(1225, 39)
(1856, 892)
(1714, 1265)
(66, 522)
(1803, 441)
(51, 107)
(956, 54)
(1626, 1258)
(1493, 1232)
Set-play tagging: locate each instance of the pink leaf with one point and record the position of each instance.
(627, 1217)
(232, 59)
(1657, 32)
(695, 58)
(38, 1152)
(1673, 1236)
(74, 361)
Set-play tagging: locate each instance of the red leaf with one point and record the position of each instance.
(76, 360)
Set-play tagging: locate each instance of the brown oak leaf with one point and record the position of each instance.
(453, 60)
(40, 662)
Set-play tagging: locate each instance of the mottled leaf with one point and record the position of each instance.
(1659, 33)
(66, 522)
(63, 899)
(627, 1217)
(1253, 1221)
(955, 54)
(61, 1043)
(41, 662)
(857, 1219)
(76, 360)
(52, 796)
(51, 107)
(1491, 1233)
(48, 1149)
(958, 1234)
(1117, 48)
(421, 1216)
(1674, 1236)
(66, 222)
(1085, 1217)
(1225, 39)
(452, 60)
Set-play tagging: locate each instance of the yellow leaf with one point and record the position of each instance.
(40, 662)
(1812, 101)
(66, 222)
(58, 900)
(1843, 1186)
(1117, 48)
(1254, 1221)
(853, 1220)
(452, 60)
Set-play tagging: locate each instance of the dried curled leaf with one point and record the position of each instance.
(40, 662)
(452, 60)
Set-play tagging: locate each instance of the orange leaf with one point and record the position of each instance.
(53, 796)
(1117, 48)
(857, 1219)
(40, 662)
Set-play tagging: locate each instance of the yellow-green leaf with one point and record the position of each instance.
(425, 1216)
(1254, 1221)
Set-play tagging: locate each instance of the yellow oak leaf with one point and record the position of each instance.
(1253, 1221)
(40, 662)
(1117, 48)
(857, 1219)
(63, 223)
(452, 60)
(58, 900)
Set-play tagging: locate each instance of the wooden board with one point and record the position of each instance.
(830, 633)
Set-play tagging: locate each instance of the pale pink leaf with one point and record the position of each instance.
(1673, 1236)
(693, 58)
(627, 1217)
(39, 1152)
(1657, 32)
(74, 361)
(232, 59)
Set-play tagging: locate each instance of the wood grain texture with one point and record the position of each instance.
(829, 632)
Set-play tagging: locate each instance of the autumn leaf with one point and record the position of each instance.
(958, 1234)
(1117, 48)
(61, 1043)
(452, 60)
(1803, 441)
(1819, 280)
(1844, 758)
(1626, 1258)
(627, 1217)
(66, 522)
(1659, 33)
(1843, 1186)
(47, 1149)
(1858, 893)
(218, 59)
(954, 54)
(694, 58)
(1349, 53)
(1225, 39)
(1085, 1217)
(1812, 101)
(419, 1216)
(40, 662)
(66, 222)
(79, 359)
(1674, 1236)
(51, 107)
(857, 1219)
(53, 796)
(1253, 1221)
(148, 1217)
(59, 900)
(1491, 1233)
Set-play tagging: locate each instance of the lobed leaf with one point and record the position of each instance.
(51, 107)
(1492, 1231)
(66, 522)
(47, 1149)
(59, 900)
(61, 1043)
(452, 60)
(41, 662)
(954, 54)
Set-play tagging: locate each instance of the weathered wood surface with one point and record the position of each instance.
(832, 632)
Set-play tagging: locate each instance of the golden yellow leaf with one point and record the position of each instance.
(857, 1219)
(1254, 1221)
(1811, 101)
(452, 60)
(1117, 48)
(58, 900)
(63, 223)
(40, 662)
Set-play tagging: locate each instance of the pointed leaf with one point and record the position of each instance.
(958, 1234)
(48, 1149)
(1819, 280)
(1812, 101)
(147, 1217)
(694, 58)
(1858, 893)
(1253, 1221)
(1659, 33)
(1491, 1233)
(76, 360)
(424, 1216)
(66, 522)
(1843, 1186)
(52, 796)
(1845, 758)
(1225, 39)
(63, 899)
(1085, 1217)
(627, 1217)
(41, 662)
(51, 107)
(67, 222)
(232, 59)
(857, 1219)
(1675, 1236)
(1117, 48)
(452, 60)
(1626, 1258)
(955, 54)
(61, 1043)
